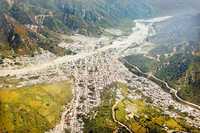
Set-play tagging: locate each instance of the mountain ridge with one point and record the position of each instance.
(39, 18)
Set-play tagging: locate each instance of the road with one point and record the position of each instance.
(114, 117)
(92, 71)
(138, 36)
(172, 90)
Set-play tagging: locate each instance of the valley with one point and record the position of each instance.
(93, 70)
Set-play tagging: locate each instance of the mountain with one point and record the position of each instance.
(48, 89)
(179, 69)
(178, 45)
(175, 55)
(182, 71)
(26, 25)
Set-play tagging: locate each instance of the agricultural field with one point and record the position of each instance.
(141, 117)
(35, 108)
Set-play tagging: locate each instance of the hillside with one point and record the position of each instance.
(26, 25)
(190, 82)
(174, 56)
(179, 69)
(33, 109)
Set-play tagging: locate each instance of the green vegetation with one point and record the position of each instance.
(180, 69)
(141, 117)
(6, 51)
(174, 67)
(100, 120)
(123, 88)
(182, 72)
(190, 90)
(144, 63)
(52, 46)
(33, 109)
(88, 17)
(55, 24)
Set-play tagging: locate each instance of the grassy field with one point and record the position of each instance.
(123, 88)
(33, 109)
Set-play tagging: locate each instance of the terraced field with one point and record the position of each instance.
(33, 109)
(141, 117)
